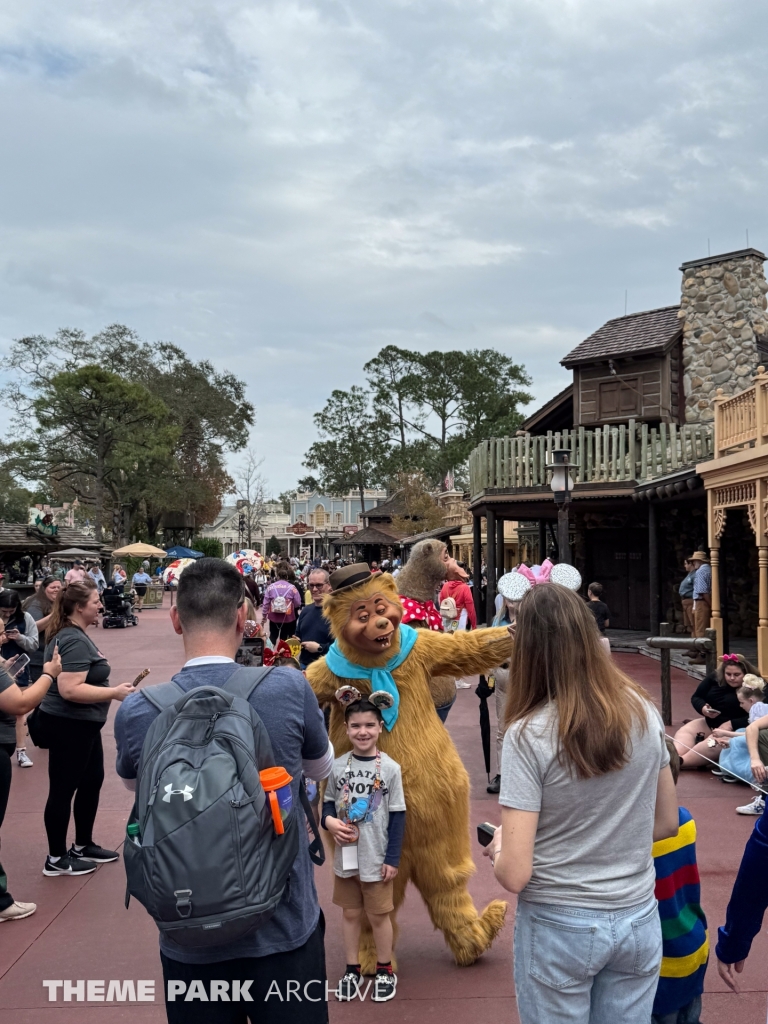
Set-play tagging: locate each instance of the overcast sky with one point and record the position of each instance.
(286, 187)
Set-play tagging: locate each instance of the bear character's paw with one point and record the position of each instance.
(468, 943)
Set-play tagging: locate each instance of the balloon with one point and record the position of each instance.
(172, 572)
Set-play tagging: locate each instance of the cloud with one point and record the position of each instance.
(285, 187)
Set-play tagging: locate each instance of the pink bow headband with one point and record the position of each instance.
(542, 576)
(731, 657)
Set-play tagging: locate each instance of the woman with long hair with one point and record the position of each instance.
(72, 716)
(20, 637)
(717, 702)
(281, 603)
(40, 606)
(585, 791)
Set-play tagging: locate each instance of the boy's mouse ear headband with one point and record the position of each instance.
(380, 699)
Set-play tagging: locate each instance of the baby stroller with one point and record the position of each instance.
(117, 608)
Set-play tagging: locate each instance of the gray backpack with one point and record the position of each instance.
(207, 863)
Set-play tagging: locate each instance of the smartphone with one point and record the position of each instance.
(144, 672)
(18, 666)
(485, 833)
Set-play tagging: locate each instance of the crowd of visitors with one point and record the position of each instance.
(609, 925)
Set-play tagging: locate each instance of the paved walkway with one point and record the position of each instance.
(83, 931)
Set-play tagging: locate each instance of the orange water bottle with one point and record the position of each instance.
(276, 783)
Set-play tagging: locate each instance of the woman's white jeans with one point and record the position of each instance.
(585, 966)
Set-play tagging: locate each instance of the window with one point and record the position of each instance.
(300, 517)
(339, 518)
(311, 519)
(321, 519)
(620, 398)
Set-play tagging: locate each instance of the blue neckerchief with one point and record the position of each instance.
(381, 678)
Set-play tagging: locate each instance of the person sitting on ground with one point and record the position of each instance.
(209, 615)
(734, 758)
(364, 810)
(598, 607)
(717, 702)
(685, 943)
(756, 738)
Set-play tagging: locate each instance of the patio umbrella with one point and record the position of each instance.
(70, 553)
(484, 691)
(181, 552)
(139, 550)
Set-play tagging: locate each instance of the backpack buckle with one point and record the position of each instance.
(183, 902)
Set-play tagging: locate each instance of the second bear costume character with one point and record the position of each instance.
(365, 613)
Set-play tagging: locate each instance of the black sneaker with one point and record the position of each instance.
(68, 866)
(718, 771)
(494, 786)
(349, 987)
(94, 853)
(384, 986)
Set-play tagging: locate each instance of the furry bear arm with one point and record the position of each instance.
(323, 682)
(465, 653)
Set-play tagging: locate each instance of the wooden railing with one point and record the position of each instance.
(632, 451)
(741, 421)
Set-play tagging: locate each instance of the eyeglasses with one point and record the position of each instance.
(316, 586)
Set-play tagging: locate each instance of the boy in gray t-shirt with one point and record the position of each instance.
(364, 810)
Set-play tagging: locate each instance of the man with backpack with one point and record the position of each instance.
(218, 855)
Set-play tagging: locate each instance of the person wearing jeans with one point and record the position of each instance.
(585, 790)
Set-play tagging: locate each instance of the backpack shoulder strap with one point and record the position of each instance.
(164, 695)
(245, 679)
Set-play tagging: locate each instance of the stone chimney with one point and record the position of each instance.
(725, 327)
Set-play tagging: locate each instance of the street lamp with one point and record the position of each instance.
(562, 485)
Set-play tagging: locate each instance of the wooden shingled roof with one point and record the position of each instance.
(652, 331)
(14, 537)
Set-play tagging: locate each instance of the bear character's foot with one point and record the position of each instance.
(471, 938)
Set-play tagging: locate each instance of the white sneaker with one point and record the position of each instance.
(17, 911)
(462, 685)
(756, 807)
(23, 759)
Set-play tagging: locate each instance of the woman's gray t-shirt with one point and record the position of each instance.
(78, 654)
(594, 836)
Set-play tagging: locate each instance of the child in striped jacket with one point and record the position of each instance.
(685, 947)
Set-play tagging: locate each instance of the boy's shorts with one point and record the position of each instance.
(373, 897)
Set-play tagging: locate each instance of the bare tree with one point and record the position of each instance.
(251, 491)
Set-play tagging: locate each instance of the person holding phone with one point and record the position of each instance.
(20, 636)
(71, 717)
(14, 703)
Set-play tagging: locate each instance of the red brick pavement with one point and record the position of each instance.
(82, 930)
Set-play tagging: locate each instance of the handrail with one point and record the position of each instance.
(628, 452)
(741, 420)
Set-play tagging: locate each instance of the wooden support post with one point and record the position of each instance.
(666, 676)
(712, 655)
(563, 535)
(500, 563)
(653, 567)
(762, 611)
(716, 621)
(490, 566)
(477, 563)
(542, 541)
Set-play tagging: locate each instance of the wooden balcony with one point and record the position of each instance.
(741, 421)
(625, 454)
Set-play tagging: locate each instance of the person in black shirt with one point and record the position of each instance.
(313, 629)
(717, 702)
(598, 607)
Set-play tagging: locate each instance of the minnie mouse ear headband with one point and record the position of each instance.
(513, 586)
(380, 699)
(731, 659)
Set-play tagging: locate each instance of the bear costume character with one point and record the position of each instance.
(418, 581)
(365, 612)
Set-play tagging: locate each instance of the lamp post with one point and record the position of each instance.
(562, 485)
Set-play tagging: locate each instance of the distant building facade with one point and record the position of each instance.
(272, 522)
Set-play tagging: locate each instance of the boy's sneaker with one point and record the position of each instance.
(349, 987)
(384, 986)
(756, 807)
(96, 854)
(23, 759)
(16, 911)
(718, 771)
(68, 866)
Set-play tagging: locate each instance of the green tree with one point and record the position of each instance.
(353, 447)
(307, 483)
(210, 546)
(15, 500)
(90, 424)
(285, 500)
(393, 377)
(273, 546)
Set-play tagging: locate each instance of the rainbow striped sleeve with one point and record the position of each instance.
(683, 924)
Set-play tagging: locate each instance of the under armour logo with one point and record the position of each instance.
(170, 791)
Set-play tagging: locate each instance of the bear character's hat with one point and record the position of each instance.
(349, 576)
